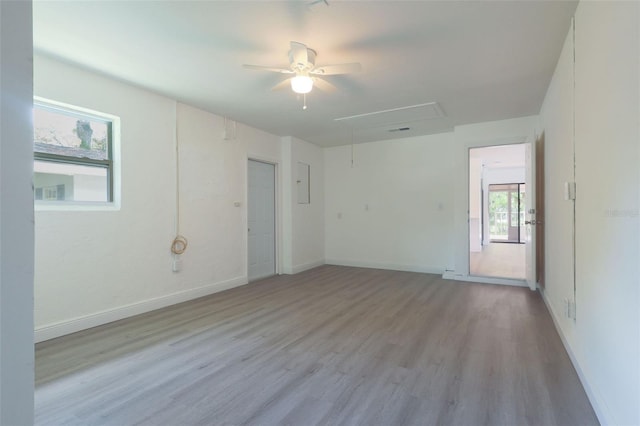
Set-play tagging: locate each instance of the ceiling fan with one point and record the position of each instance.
(305, 73)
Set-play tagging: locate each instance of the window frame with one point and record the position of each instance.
(110, 164)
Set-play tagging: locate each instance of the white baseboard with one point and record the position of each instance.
(62, 328)
(604, 416)
(306, 266)
(452, 275)
(384, 265)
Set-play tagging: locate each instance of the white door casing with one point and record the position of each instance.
(530, 214)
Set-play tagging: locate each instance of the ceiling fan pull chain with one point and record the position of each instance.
(304, 100)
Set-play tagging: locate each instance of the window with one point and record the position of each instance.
(73, 155)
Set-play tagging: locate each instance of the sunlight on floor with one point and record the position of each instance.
(504, 260)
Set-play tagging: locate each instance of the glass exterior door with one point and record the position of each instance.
(506, 213)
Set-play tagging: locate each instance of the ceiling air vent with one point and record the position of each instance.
(400, 129)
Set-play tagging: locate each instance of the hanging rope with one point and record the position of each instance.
(179, 245)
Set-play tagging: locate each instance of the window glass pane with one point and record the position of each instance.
(498, 214)
(513, 207)
(76, 136)
(69, 182)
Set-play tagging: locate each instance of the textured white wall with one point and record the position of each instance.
(213, 177)
(393, 208)
(91, 262)
(16, 215)
(604, 340)
(97, 266)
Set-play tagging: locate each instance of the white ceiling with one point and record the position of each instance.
(478, 60)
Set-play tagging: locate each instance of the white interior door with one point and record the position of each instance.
(261, 220)
(530, 214)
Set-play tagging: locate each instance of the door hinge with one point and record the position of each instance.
(569, 191)
(569, 308)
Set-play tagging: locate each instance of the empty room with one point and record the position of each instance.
(320, 212)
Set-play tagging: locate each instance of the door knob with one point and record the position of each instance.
(529, 222)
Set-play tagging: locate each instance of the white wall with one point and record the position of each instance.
(305, 230)
(97, 266)
(604, 339)
(607, 205)
(392, 208)
(556, 118)
(16, 215)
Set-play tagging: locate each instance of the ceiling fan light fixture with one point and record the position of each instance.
(301, 84)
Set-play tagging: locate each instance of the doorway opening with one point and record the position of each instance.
(261, 220)
(497, 212)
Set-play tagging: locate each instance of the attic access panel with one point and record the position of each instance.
(408, 114)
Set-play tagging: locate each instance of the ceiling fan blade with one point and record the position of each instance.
(298, 55)
(282, 85)
(324, 85)
(337, 69)
(273, 69)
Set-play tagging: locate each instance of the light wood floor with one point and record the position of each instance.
(332, 346)
(503, 260)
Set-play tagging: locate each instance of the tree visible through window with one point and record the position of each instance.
(73, 155)
(506, 212)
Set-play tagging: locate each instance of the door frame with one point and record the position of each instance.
(530, 200)
(277, 213)
(540, 210)
(461, 214)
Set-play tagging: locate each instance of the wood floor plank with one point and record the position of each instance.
(333, 345)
